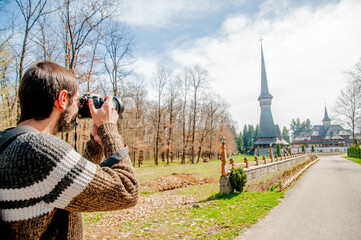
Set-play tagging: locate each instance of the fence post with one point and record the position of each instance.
(256, 160)
(264, 159)
(231, 161)
(246, 161)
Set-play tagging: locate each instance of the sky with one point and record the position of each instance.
(308, 45)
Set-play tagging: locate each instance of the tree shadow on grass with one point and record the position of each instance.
(219, 196)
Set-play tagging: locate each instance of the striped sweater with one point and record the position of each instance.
(45, 184)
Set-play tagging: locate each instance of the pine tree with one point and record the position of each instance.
(240, 143)
(278, 150)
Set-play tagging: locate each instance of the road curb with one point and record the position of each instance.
(291, 180)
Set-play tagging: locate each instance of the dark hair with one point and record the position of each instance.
(40, 87)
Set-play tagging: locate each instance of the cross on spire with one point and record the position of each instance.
(261, 39)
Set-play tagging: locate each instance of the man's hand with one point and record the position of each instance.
(106, 113)
(95, 134)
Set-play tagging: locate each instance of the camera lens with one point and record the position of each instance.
(118, 105)
(84, 111)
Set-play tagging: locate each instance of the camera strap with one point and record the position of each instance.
(10, 134)
(115, 158)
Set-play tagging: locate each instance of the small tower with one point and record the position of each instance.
(326, 120)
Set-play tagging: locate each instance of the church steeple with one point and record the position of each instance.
(264, 85)
(269, 134)
(266, 125)
(326, 120)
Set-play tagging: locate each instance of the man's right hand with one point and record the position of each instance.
(106, 113)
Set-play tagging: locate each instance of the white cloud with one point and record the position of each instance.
(306, 52)
(162, 13)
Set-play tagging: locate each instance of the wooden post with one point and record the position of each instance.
(231, 161)
(256, 160)
(224, 160)
(246, 161)
(264, 159)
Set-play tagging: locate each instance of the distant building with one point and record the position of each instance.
(269, 134)
(324, 138)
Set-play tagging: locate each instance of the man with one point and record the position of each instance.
(44, 182)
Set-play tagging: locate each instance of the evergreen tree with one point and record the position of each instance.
(246, 138)
(278, 150)
(286, 134)
(240, 143)
(249, 136)
(297, 126)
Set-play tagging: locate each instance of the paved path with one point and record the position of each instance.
(324, 204)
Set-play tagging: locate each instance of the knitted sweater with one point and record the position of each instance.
(45, 184)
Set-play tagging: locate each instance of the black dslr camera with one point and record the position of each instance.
(84, 111)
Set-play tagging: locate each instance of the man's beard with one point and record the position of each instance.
(65, 123)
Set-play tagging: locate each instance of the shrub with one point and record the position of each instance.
(238, 179)
(313, 148)
(278, 150)
(354, 151)
(303, 148)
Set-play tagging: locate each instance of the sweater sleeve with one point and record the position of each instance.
(93, 151)
(51, 174)
(112, 187)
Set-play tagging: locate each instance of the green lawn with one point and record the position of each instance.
(356, 160)
(214, 216)
(148, 171)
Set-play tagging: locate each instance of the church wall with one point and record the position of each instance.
(321, 149)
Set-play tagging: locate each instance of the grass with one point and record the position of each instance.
(215, 216)
(210, 169)
(148, 171)
(356, 160)
(208, 215)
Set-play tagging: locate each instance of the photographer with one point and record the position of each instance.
(44, 183)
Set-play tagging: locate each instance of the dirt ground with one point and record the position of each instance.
(179, 180)
(175, 180)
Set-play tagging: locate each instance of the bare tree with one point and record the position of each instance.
(209, 111)
(355, 74)
(164, 74)
(135, 117)
(173, 92)
(199, 80)
(348, 107)
(184, 80)
(118, 55)
(80, 20)
(89, 74)
(46, 40)
(31, 11)
(7, 90)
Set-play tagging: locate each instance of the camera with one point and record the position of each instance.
(98, 101)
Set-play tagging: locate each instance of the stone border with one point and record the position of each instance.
(295, 177)
(256, 172)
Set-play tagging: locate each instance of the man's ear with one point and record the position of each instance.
(63, 99)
